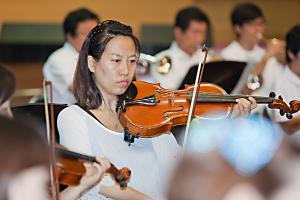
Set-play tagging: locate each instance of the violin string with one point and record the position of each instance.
(74, 155)
(220, 97)
(209, 97)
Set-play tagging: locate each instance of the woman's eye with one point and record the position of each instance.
(116, 60)
(132, 61)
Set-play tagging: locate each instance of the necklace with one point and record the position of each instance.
(111, 116)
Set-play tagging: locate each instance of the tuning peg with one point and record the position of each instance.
(281, 112)
(280, 97)
(289, 115)
(272, 95)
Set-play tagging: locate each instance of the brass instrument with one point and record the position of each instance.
(280, 56)
(163, 65)
(255, 81)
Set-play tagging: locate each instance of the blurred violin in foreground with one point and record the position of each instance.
(70, 168)
(150, 110)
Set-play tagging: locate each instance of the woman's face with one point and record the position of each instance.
(116, 67)
(5, 109)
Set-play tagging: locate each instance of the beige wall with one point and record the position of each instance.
(281, 15)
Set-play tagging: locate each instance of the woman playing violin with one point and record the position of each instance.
(25, 160)
(105, 69)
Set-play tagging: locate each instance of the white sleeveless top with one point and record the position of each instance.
(150, 160)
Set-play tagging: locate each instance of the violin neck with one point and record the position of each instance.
(74, 155)
(230, 98)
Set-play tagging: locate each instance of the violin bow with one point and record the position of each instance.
(199, 75)
(51, 138)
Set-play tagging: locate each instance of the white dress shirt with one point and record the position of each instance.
(60, 68)
(273, 70)
(181, 63)
(235, 52)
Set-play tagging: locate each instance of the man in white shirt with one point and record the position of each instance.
(190, 33)
(288, 84)
(61, 64)
(249, 25)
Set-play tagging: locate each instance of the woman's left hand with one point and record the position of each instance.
(244, 107)
(94, 172)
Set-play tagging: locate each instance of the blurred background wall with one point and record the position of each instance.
(280, 16)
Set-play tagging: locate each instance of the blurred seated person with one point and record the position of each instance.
(287, 85)
(210, 177)
(61, 64)
(7, 89)
(228, 160)
(24, 172)
(13, 166)
(249, 25)
(189, 31)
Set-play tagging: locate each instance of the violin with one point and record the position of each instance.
(162, 108)
(70, 168)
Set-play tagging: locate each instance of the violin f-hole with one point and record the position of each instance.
(166, 113)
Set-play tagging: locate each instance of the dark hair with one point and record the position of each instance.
(85, 89)
(7, 84)
(245, 12)
(293, 41)
(75, 17)
(186, 15)
(21, 146)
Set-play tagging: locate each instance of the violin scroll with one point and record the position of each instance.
(295, 106)
(284, 109)
(122, 176)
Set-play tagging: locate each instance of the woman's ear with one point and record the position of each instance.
(291, 55)
(177, 33)
(237, 29)
(91, 63)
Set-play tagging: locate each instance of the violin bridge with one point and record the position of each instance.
(171, 99)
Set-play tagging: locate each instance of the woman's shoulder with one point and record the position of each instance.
(72, 111)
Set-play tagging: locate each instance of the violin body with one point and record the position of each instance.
(153, 110)
(69, 171)
(171, 108)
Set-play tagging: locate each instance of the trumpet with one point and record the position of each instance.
(276, 47)
(163, 65)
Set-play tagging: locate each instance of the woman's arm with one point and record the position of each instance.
(291, 126)
(115, 192)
